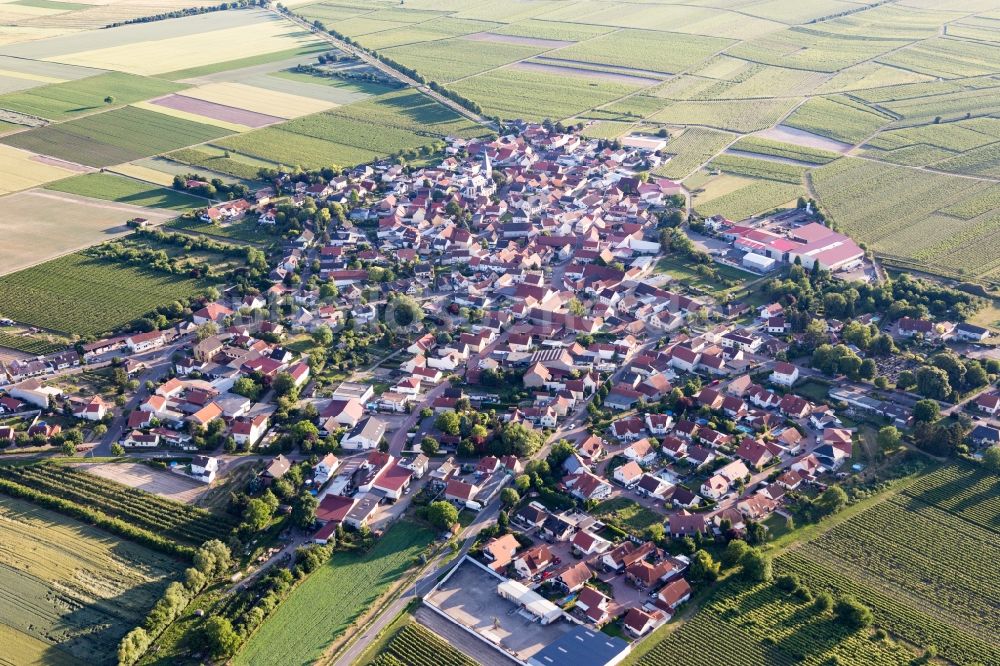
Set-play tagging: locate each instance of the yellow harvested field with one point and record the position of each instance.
(39, 225)
(259, 100)
(140, 172)
(12, 12)
(195, 50)
(194, 117)
(20, 170)
(11, 74)
(15, 34)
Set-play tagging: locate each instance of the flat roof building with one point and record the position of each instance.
(582, 647)
(532, 602)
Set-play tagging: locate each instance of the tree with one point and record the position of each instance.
(905, 380)
(213, 558)
(246, 387)
(404, 311)
(853, 613)
(305, 431)
(757, 566)
(703, 568)
(304, 510)
(823, 603)
(447, 422)
(442, 515)
(429, 446)
(889, 438)
(110, 99)
(831, 501)
(521, 440)
(509, 497)
(735, 550)
(133, 646)
(68, 448)
(656, 533)
(322, 336)
(257, 515)
(991, 459)
(933, 382)
(194, 580)
(926, 411)
(283, 384)
(522, 482)
(206, 330)
(117, 449)
(219, 637)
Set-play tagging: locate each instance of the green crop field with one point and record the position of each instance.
(627, 515)
(68, 591)
(64, 100)
(348, 135)
(31, 344)
(176, 521)
(125, 190)
(734, 115)
(758, 168)
(114, 137)
(645, 49)
(921, 558)
(450, 59)
(838, 118)
(896, 211)
(691, 149)
(512, 93)
(757, 197)
(809, 49)
(207, 157)
(81, 295)
(415, 646)
(325, 605)
(761, 146)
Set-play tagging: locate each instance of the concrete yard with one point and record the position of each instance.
(162, 483)
(469, 597)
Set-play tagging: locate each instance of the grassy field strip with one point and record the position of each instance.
(69, 592)
(327, 602)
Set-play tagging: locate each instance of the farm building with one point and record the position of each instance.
(532, 602)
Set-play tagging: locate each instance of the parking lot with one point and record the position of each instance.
(162, 483)
(469, 597)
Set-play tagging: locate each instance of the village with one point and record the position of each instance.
(497, 332)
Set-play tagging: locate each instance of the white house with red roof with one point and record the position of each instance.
(141, 342)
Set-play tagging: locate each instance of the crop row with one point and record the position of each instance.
(757, 197)
(838, 118)
(761, 146)
(705, 640)
(29, 344)
(512, 93)
(70, 294)
(137, 507)
(735, 115)
(885, 543)
(964, 491)
(691, 149)
(415, 646)
(114, 136)
(895, 615)
(758, 168)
